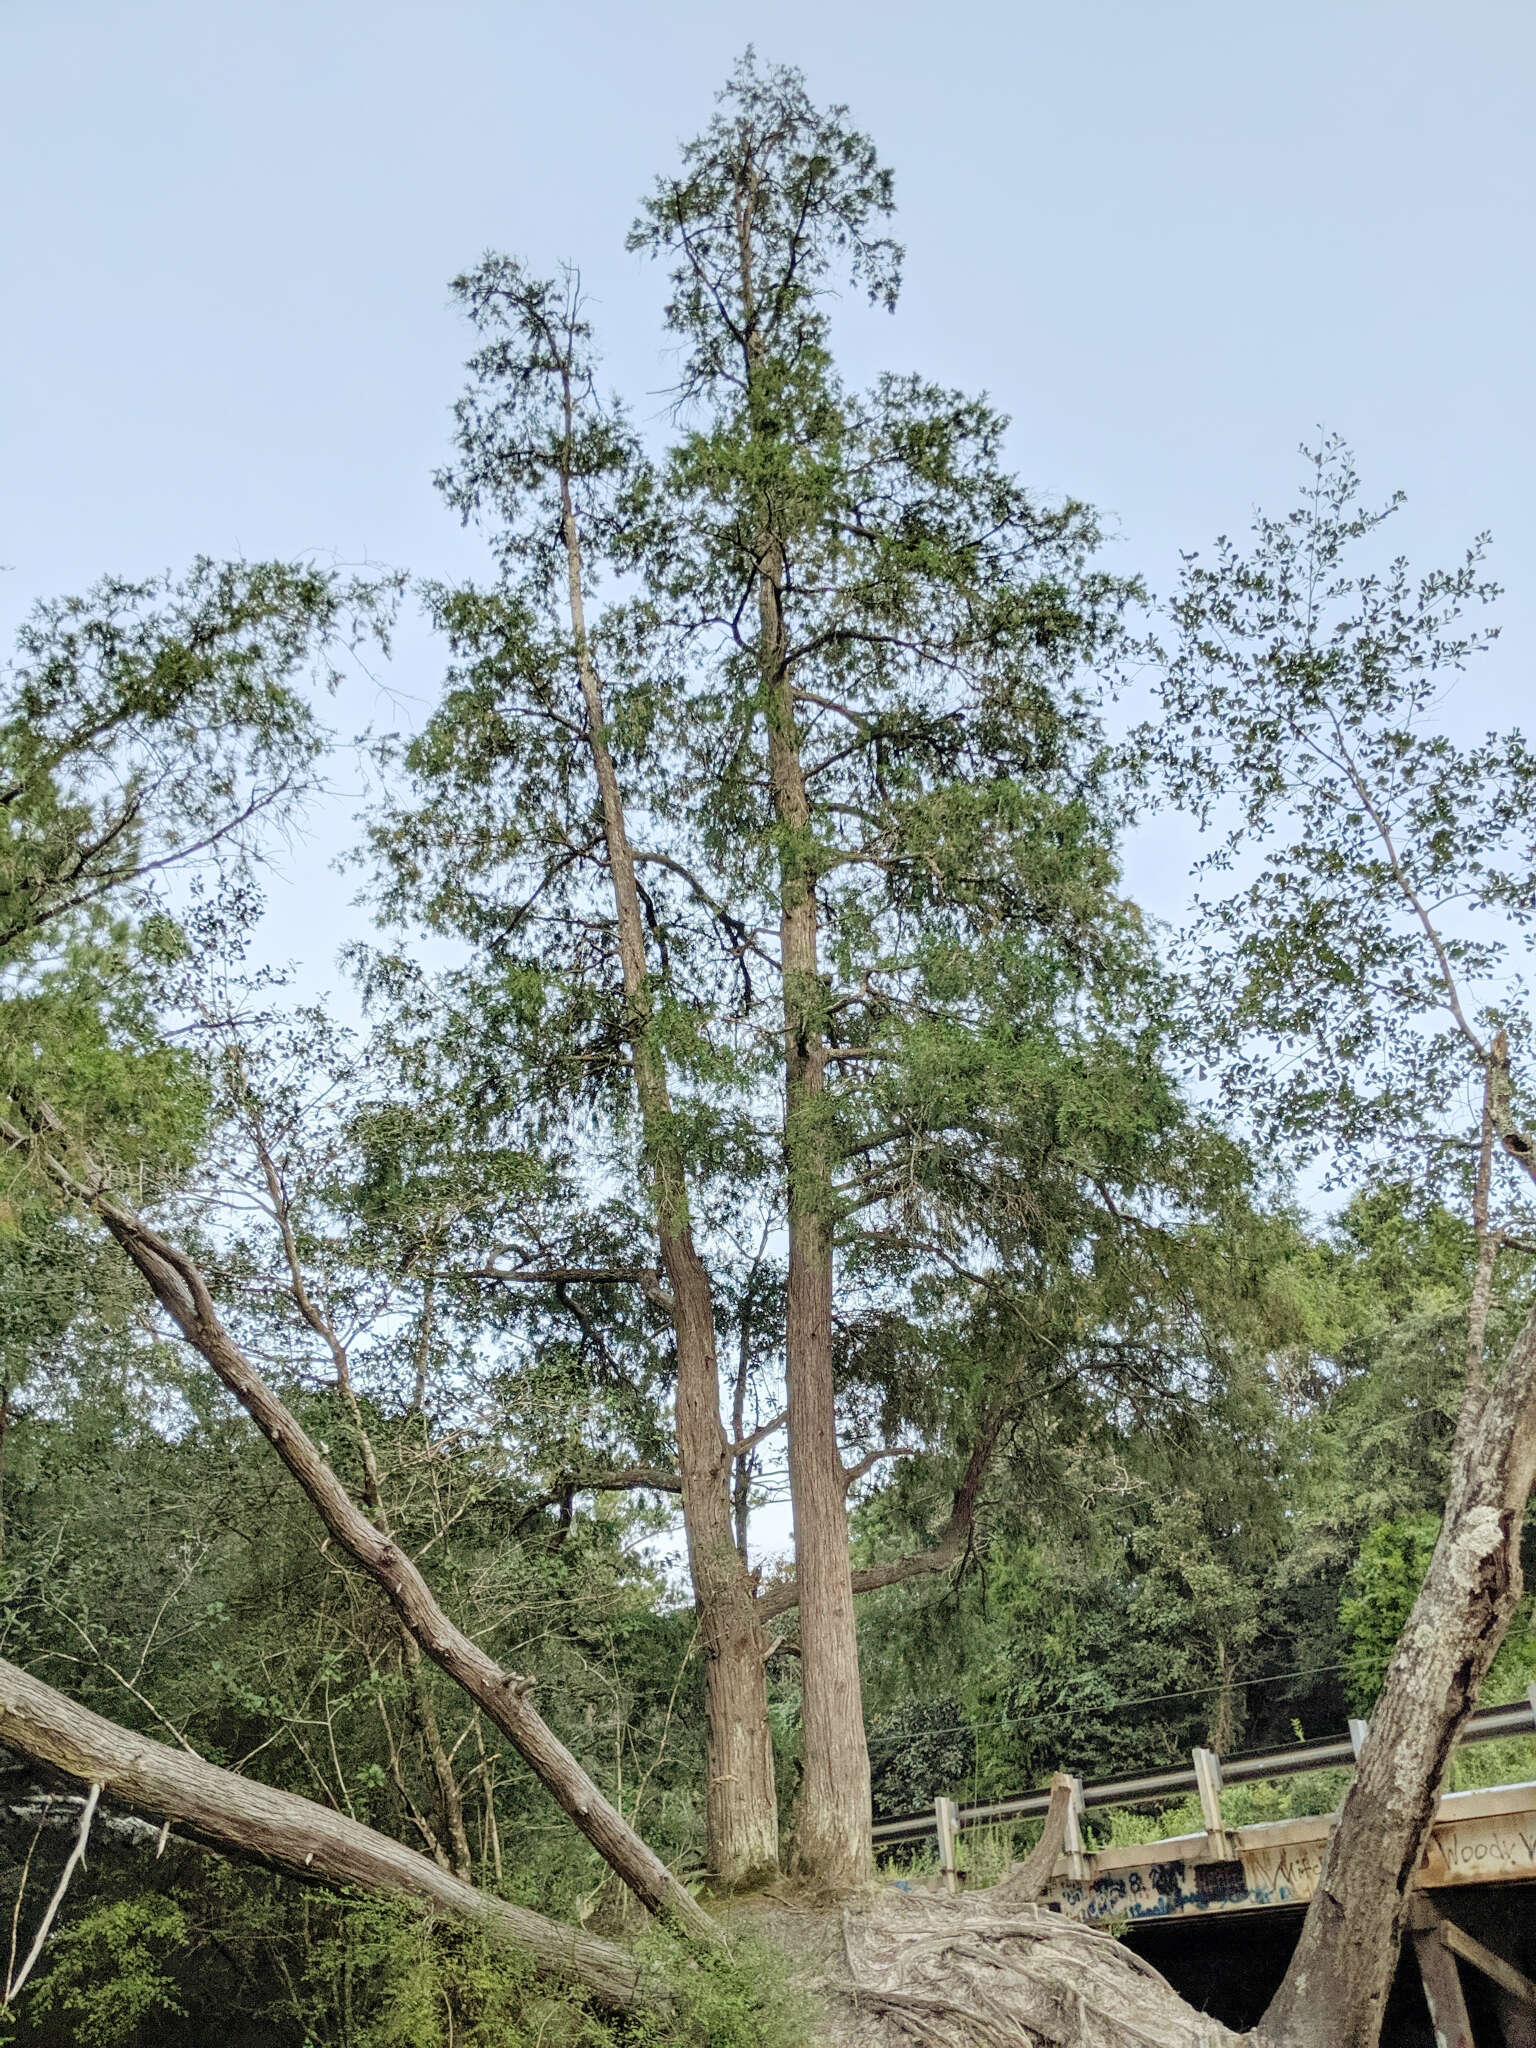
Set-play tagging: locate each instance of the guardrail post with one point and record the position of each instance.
(1208, 1782)
(1072, 1842)
(946, 1819)
(1358, 1731)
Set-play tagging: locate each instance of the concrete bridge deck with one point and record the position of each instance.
(1483, 1837)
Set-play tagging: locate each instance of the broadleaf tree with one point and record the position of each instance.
(1361, 987)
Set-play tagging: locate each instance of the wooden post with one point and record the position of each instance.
(1442, 1981)
(947, 1819)
(1514, 1983)
(1208, 1782)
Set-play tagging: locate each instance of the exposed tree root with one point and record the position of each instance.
(895, 1969)
(929, 1971)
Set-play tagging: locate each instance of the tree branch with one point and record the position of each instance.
(871, 1459)
(624, 1479)
(754, 1437)
(951, 1548)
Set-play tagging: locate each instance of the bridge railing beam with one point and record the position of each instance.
(1486, 1724)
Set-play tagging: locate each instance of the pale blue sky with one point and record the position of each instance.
(1169, 236)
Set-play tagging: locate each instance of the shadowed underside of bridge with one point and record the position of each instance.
(1231, 1966)
(1220, 1913)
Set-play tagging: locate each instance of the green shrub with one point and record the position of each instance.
(107, 1971)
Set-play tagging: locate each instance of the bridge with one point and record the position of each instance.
(1221, 1874)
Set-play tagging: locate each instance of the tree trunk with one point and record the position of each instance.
(833, 1819)
(221, 1810)
(180, 1289)
(741, 1798)
(1335, 1990)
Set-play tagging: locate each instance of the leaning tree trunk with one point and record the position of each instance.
(741, 1802)
(741, 1796)
(222, 1810)
(1335, 1991)
(502, 1695)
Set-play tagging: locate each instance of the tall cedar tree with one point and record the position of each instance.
(770, 792)
(879, 621)
(557, 467)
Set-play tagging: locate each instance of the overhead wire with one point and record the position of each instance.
(875, 1738)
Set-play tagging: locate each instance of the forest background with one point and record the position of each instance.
(1224, 1567)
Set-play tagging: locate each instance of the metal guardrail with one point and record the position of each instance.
(1484, 1724)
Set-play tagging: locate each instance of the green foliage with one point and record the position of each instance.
(1378, 1598)
(145, 723)
(1382, 1588)
(148, 731)
(110, 1972)
(178, 1585)
(918, 1749)
(743, 1998)
(364, 1973)
(382, 1977)
(1394, 867)
(1157, 1578)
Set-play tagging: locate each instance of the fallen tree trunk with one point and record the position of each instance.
(222, 1810)
(502, 1695)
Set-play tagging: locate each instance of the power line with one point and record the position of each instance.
(1151, 1699)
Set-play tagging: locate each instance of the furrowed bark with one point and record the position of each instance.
(221, 1810)
(833, 1843)
(502, 1695)
(1335, 1990)
(741, 1804)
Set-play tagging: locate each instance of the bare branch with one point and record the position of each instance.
(754, 1437)
(75, 1859)
(871, 1459)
